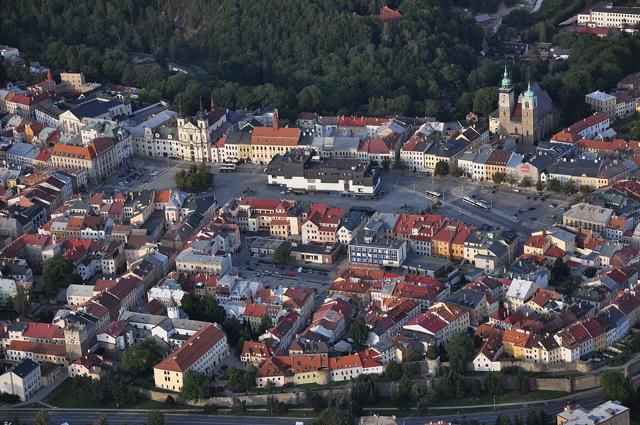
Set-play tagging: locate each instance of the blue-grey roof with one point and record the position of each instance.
(466, 297)
(25, 367)
(447, 149)
(20, 149)
(352, 219)
(94, 108)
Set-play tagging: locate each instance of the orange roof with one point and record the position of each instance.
(192, 349)
(255, 310)
(71, 151)
(554, 252)
(308, 363)
(255, 349)
(537, 241)
(389, 15)
(345, 362)
(515, 337)
(618, 223)
(162, 196)
(38, 347)
(42, 331)
(585, 123)
(275, 136)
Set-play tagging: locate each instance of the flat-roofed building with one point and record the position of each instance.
(298, 171)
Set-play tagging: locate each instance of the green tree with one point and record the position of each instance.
(498, 178)
(21, 300)
(155, 418)
(456, 172)
(276, 408)
(234, 379)
(195, 386)
(359, 331)
(590, 272)
(554, 185)
(485, 101)
(314, 400)
(334, 415)
(197, 178)
(539, 186)
(58, 272)
(493, 383)
(393, 370)
(363, 391)
(459, 351)
(42, 418)
(522, 382)
(585, 190)
(281, 253)
(432, 352)
(265, 323)
(559, 270)
(616, 386)
(569, 187)
(526, 182)
(139, 359)
(441, 168)
(249, 377)
(205, 308)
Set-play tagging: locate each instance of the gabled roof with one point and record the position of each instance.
(192, 349)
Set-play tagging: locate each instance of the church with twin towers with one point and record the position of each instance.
(528, 119)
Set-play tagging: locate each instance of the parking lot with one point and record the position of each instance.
(405, 192)
(143, 173)
(402, 192)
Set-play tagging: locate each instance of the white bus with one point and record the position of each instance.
(434, 194)
(476, 203)
(226, 167)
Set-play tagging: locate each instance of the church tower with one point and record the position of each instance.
(529, 112)
(506, 100)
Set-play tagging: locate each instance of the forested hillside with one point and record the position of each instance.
(330, 56)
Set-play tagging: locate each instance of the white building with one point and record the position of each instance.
(609, 16)
(23, 380)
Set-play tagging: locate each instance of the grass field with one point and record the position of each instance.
(63, 397)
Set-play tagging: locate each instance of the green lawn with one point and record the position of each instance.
(509, 397)
(63, 397)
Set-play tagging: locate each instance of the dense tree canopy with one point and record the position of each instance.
(196, 386)
(326, 55)
(197, 178)
(204, 308)
(58, 272)
(140, 358)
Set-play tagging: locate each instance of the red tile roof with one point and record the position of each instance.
(192, 349)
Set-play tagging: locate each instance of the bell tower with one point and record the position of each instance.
(529, 111)
(506, 100)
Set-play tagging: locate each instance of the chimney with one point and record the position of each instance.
(275, 119)
(49, 76)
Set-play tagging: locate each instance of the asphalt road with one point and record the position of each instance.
(139, 418)
(587, 399)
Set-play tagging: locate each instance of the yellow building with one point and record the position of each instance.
(201, 353)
